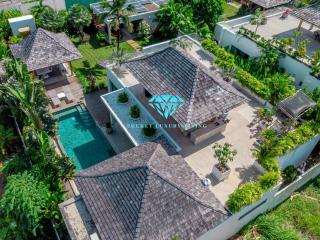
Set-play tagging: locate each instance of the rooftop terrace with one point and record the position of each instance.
(278, 27)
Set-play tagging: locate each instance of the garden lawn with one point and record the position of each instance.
(93, 53)
(296, 218)
(230, 11)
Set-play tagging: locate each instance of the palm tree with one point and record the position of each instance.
(258, 18)
(119, 13)
(20, 92)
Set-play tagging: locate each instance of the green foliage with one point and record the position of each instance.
(145, 31)
(265, 114)
(101, 37)
(6, 135)
(25, 199)
(5, 29)
(315, 61)
(15, 39)
(258, 18)
(123, 97)
(15, 164)
(174, 17)
(289, 174)
(4, 52)
(269, 179)
(149, 130)
(79, 17)
(134, 111)
(246, 194)
(269, 227)
(54, 21)
(37, 11)
(224, 153)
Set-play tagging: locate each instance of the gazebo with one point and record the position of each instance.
(47, 55)
(309, 14)
(296, 105)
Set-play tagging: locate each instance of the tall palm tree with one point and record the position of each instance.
(20, 92)
(119, 14)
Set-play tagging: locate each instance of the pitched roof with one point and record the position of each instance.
(310, 14)
(173, 71)
(145, 194)
(44, 49)
(270, 3)
(296, 105)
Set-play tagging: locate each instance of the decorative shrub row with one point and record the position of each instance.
(251, 192)
(226, 61)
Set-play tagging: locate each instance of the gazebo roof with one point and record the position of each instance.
(43, 49)
(296, 105)
(310, 14)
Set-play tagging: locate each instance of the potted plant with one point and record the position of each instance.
(149, 130)
(224, 154)
(134, 112)
(123, 98)
(108, 127)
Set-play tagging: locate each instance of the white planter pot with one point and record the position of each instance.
(220, 175)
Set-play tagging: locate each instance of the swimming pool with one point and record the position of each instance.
(82, 140)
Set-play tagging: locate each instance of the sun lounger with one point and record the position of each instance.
(69, 95)
(54, 98)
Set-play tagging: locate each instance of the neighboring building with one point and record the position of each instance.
(47, 54)
(264, 3)
(25, 6)
(142, 194)
(143, 10)
(305, 20)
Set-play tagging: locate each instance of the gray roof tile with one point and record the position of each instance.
(44, 49)
(310, 14)
(145, 194)
(173, 71)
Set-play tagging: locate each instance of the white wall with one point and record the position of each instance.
(270, 199)
(227, 37)
(298, 155)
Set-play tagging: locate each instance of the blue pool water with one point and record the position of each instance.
(82, 140)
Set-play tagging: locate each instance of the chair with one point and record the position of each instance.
(69, 95)
(54, 98)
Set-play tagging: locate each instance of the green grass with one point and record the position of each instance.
(296, 218)
(93, 53)
(229, 11)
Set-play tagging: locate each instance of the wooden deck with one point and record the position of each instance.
(76, 90)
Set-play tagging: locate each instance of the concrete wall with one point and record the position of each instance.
(21, 22)
(25, 7)
(299, 154)
(227, 37)
(270, 199)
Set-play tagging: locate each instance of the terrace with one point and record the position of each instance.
(280, 28)
(241, 130)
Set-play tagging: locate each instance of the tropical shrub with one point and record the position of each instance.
(25, 199)
(101, 37)
(246, 194)
(149, 130)
(269, 179)
(5, 29)
(6, 135)
(123, 97)
(289, 174)
(4, 52)
(79, 17)
(265, 114)
(134, 111)
(224, 154)
(145, 31)
(54, 21)
(315, 61)
(174, 17)
(37, 10)
(15, 39)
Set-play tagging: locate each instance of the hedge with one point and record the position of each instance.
(226, 61)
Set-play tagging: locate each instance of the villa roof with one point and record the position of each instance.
(43, 49)
(270, 3)
(310, 14)
(145, 194)
(173, 71)
(296, 105)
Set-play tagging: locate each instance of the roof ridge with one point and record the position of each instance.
(186, 193)
(112, 173)
(48, 33)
